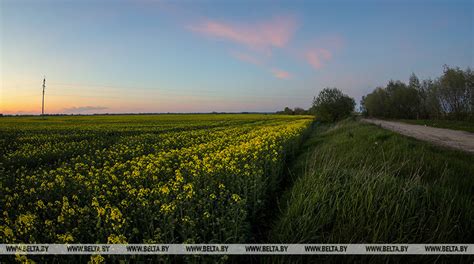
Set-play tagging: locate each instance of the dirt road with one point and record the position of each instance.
(444, 137)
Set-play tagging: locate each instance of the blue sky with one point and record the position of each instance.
(202, 56)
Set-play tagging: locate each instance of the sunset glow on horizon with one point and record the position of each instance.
(143, 56)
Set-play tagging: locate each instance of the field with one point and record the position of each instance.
(140, 179)
(357, 183)
(229, 179)
(360, 183)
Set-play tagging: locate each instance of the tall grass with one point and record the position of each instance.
(443, 123)
(362, 184)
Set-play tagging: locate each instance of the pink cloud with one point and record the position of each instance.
(265, 35)
(318, 57)
(321, 51)
(281, 74)
(247, 58)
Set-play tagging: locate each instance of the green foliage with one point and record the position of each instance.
(397, 100)
(332, 105)
(287, 111)
(450, 96)
(456, 92)
(296, 111)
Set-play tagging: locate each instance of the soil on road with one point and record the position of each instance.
(440, 136)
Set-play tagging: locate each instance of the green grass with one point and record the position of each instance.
(450, 124)
(357, 183)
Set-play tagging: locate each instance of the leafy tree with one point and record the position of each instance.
(375, 103)
(296, 111)
(397, 100)
(450, 96)
(470, 91)
(403, 100)
(300, 111)
(429, 99)
(287, 111)
(332, 105)
(414, 82)
(454, 92)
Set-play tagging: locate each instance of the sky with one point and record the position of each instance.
(146, 56)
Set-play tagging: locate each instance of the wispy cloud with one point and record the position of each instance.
(263, 35)
(318, 57)
(246, 57)
(321, 51)
(83, 109)
(277, 73)
(281, 74)
(257, 39)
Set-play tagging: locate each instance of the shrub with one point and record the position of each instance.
(332, 105)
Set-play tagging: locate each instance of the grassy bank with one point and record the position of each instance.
(357, 183)
(450, 124)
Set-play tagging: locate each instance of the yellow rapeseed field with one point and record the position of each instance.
(139, 179)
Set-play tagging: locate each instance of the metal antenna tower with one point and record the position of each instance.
(42, 105)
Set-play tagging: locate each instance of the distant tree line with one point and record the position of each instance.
(330, 105)
(296, 111)
(450, 96)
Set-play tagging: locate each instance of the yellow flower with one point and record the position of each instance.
(179, 177)
(116, 239)
(97, 259)
(164, 189)
(23, 259)
(65, 238)
(186, 219)
(26, 222)
(236, 197)
(189, 190)
(7, 232)
(207, 215)
(60, 218)
(95, 202)
(115, 214)
(40, 204)
(100, 211)
(167, 208)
